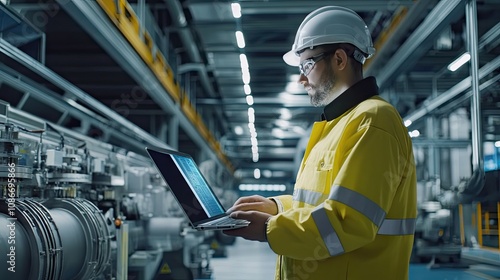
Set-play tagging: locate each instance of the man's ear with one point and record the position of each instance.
(340, 57)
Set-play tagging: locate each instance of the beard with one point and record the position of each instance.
(322, 92)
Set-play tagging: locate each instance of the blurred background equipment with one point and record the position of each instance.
(73, 207)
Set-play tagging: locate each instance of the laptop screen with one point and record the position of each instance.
(188, 185)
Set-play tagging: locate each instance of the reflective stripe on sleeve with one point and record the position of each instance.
(326, 230)
(397, 227)
(309, 197)
(359, 203)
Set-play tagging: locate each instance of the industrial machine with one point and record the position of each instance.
(436, 240)
(440, 234)
(72, 207)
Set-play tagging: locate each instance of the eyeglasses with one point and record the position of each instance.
(307, 65)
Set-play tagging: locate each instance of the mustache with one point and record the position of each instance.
(308, 85)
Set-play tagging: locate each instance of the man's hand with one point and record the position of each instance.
(255, 230)
(255, 202)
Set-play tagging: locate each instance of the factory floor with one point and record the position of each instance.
(247, 260)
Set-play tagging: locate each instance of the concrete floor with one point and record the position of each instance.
(247, 260)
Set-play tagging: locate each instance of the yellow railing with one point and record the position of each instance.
(123, 16)
(485, 213)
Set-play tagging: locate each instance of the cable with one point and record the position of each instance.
(56, 131)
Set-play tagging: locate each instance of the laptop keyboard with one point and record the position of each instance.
(227, 220)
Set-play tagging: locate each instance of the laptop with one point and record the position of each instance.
(196, 198)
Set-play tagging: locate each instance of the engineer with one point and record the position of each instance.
(353, 209)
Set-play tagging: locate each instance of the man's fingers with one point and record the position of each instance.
(244, 215)
(244, 207)
(248, 199)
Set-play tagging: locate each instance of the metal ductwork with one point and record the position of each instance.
(423, 36)
(202, 71)
(414, 15)
(179, 21)
(433, 103)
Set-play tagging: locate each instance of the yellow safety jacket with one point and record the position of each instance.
(353, 209)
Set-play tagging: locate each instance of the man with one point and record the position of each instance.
(353, 209)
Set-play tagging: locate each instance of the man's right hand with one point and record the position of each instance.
(255, 203)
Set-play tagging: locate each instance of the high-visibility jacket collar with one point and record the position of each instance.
(354, 95)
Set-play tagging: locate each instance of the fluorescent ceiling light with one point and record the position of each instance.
(249, 100)
(247, 89)
(236, 9)
(285, 114)
(278, 133)
(414, 133)
(240, 40)
(238, 130)
(255, 150)
(243, 61)
(408, 123)
(255, 157)
(267, 173)
(459, 62)
(256, 173)
(262, 187)
(245, 76)
(251, 118)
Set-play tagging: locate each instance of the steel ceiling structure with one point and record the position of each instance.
(100, 71)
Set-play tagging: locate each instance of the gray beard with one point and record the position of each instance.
(323, 92)
(319, 99)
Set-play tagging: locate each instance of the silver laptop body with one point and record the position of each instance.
(191, 190)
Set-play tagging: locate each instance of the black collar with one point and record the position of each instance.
(354, 95)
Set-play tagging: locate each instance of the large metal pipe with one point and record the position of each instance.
(432, 103)
(82, 228)
(414, 14)
(24, 59)
(179, 20)
(55, 239)
(15, 248)
(471, 24)
(420, 40)
(202, 71)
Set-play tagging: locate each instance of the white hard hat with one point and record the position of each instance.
(330, 25)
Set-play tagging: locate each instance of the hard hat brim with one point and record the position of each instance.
(291, 58)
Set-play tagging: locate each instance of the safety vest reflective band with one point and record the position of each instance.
(397, 227)
(359, 203)
(327, 232)
(332, 241)
(309, 197)
(388, 226)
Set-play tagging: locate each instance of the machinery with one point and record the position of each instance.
(436, 240)
(72, 207)
(439, 234)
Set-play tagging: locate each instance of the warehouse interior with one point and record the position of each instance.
(86, 85)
